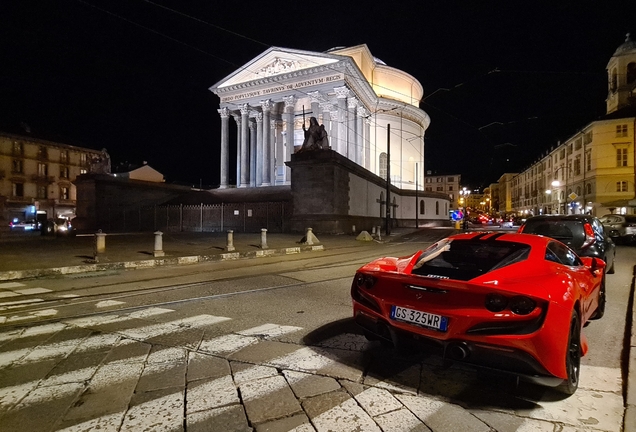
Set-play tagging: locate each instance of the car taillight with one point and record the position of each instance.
(365, 281)
(589, 235)
(496, 302)
(521, 305)
(518, 305)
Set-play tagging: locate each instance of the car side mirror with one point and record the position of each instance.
(597, 267)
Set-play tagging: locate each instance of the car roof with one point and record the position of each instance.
(577, 217)
(529, 239)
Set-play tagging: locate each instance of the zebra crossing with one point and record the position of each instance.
(157, 368)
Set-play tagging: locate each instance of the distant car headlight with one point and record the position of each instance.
(365, 281)
(522, 305)
(496, 302)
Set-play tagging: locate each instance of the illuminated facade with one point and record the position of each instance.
(448, 184)
(593, 171)
(353, 94)
(36, 176)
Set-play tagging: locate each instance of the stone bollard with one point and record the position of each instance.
(158, 252)
(353, 229)
(230, 241)
(379, 231)
(310, 237)
(264, 238)
(373, 230)
(100, 244)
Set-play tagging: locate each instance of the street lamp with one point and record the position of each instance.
(463, 199)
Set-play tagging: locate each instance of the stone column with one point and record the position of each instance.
(267, 171)
(237, 119)
(367, 143)
(352, 136)
(342, 93)
(259, 149)
(290, 106)
(326, 119)
(253, 149)
(315, 98)
(280, 154)
(362, 113)
(245, 111)
(272, 152)
(225, 147)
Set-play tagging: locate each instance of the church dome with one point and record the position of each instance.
(628, 47)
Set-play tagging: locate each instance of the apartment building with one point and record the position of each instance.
(447, 183)
(593, 171)
(36, 176)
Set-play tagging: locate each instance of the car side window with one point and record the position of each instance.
(560, 253)
(598, 229)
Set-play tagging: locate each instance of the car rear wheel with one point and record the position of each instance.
(572, 356)
(602, 299)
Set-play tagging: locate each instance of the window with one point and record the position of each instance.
(614, 81)
(588, 160)
(18, 148)
(578, 143)
(569, 149)
(436, 207)
(41, 191)
(631, 73)
(422, 207)
(440, 188)
(18, 190)
(621, 186)
(577, 165)
(64, 172)
(65, 193)
(588, 188)
(621, 130)
(451, 196)
(64, 156)
(588, 137)
(450, 179)
(440, 180)
(383, 160)
(428, 180)
(578, 190)
(43, 170)
(562, 154)
(83, 159)
(43, 153)
(83, 171)
(17, 167)
(621, 157)
(450, 187)
(561, 254)
(429, 189)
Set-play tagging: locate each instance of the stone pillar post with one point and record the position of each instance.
(225, 147)
(267, 171)
(253, 150)
(100, 243)
(245, 110)
(264, 238)
(259, 149)
(352, 136)
(230, 241)
(341, 93)
(158, 252)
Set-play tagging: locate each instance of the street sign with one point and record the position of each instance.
(573, 196)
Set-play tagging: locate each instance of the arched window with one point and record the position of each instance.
(578, 190)
(437, 207)
(383, 160)
(562, 195)
(631, 73)
(588, 188)
(422, 207)
(614, 82)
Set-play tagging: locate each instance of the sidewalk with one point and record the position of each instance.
(28, 254)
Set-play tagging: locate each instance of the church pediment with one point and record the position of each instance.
(276, 61)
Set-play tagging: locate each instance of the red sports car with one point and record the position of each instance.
(512, 302)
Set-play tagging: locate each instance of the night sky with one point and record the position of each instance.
(504, 81)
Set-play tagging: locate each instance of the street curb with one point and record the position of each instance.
(629, 420)
(156, 262)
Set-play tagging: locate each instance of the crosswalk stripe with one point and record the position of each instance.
(147, 332)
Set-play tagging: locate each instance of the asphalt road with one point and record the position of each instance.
(267, 345)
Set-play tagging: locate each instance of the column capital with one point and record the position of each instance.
(290, 101)
(326, 106)
(266, 104)
(237, 118)
(352, 103)
(259, 117)
(342, 92)
(272, 124)
(245, 109)
(362, 111)
(316, 96)
(224, 112)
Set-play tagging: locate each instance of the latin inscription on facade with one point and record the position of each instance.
(283, 87)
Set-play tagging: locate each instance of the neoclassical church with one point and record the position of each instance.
(370, 112)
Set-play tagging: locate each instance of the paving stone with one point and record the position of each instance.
(227, 344)
(347, 341)
(225, 419)
(211, 393)
(69, 333)
(107, 423)
(58, 350)
(167, 354)
(441, 416)
(337, 411)
(24, 373)
(601, 378)
(401, 420)
(41, 409)
(161, 410)
(502, 422)
(158, 376)
(306, 385)
(127, 351)
(296, 423)
(109, 391)
(260, 353)
(446, 382)
(75, 368)
(187, 338)
(205, 366)
(98, 342)
(267, 399)
(244, 372)
(399, 376)
(377, 401)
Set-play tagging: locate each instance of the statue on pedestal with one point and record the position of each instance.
(315, 137)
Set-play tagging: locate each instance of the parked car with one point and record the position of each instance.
(58, 226)
(621, 228)
(23, 225)
(582, 233)
(508, 301)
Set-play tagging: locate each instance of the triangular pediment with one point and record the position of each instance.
(277, 61)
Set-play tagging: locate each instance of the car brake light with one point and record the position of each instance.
(589, 235)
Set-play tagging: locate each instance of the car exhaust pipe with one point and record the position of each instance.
(458, 351)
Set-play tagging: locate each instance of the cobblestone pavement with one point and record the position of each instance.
(167, 369)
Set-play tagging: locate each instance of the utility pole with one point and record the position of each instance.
(388, 180)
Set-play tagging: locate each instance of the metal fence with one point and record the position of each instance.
(240, 217)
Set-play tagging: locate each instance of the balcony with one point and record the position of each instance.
(42, 179)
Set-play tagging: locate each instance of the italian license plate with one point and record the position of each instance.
(424, 319)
